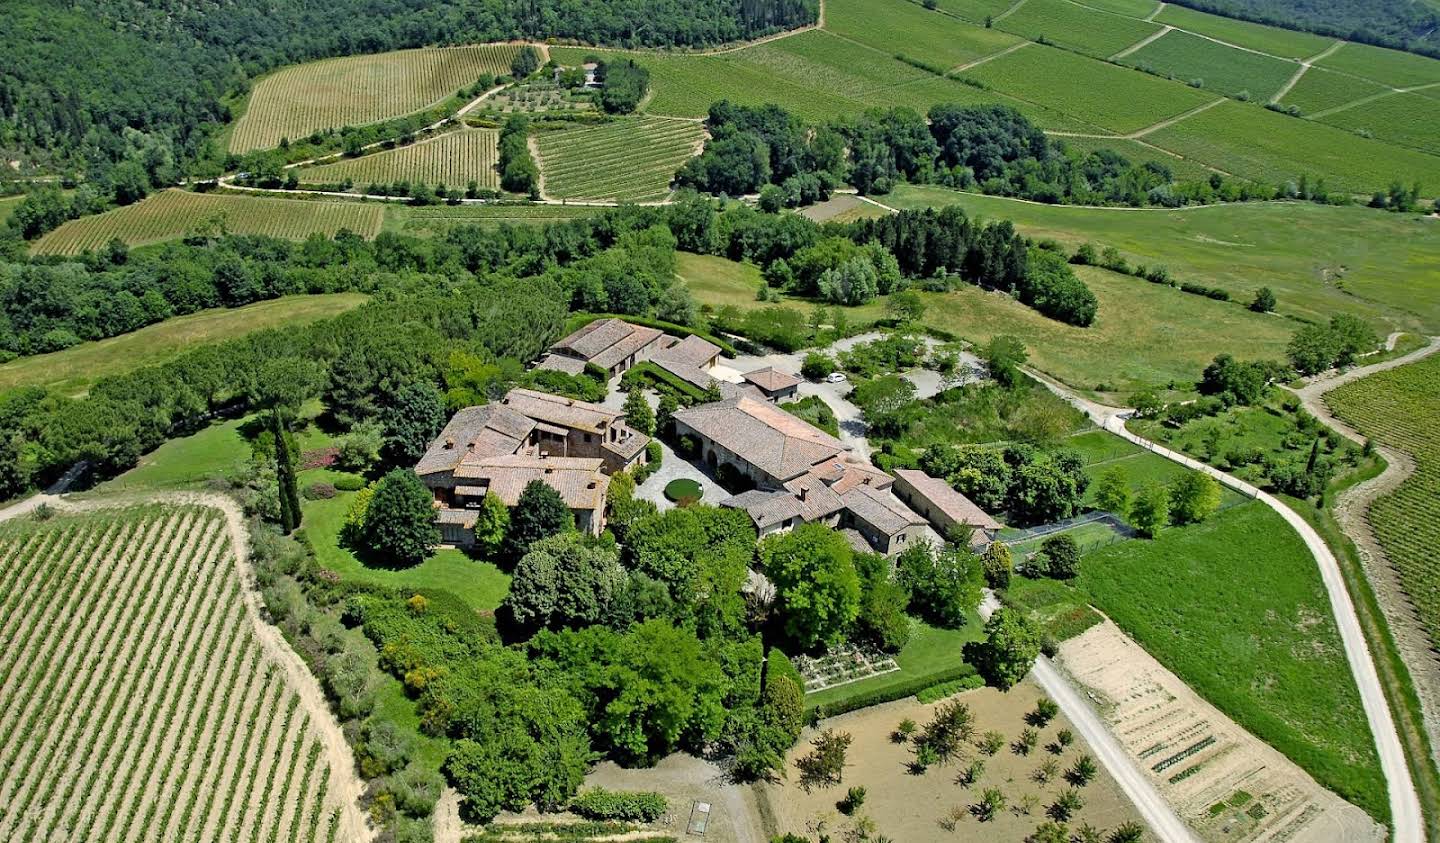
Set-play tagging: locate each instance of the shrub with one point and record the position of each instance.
(349, 483)
(854, 798)
(945, 689)
(629, 806)
(319, 491)
(898, 691)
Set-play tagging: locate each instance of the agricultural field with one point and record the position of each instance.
(1258, 144)
(1077, 28)
(1216, 67)
(453, 159)
(172, 214)
(1386, 407)
(296, 101)
(139, 701)
(1236, 609)
(899, 26)
(630, 160)
(1114, 98)
(1140, 152)
(1271, 40)
(1128, 8)
(1388, 67)
(74, 370)
(435, 220)
(1319, 260)
(1405, 119)
(1321, 89)
(975, 11)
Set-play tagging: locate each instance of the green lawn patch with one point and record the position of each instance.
(683, 489)
(1235, 607)
(1060, 610)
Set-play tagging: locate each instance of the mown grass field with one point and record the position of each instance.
(1319, 260)
(453, 159)
(1076, 28)
(137, 701)
(630, 160)
(1224, 70)
(1405, 119)
(437, 219)
(74, 370)
(171, 214)
(1235, 607)
(1252, 142)
(1284, 43)
(1112, 97)
(899, 26)
(1320, 89)
(1393, 408)
(296, 101)
(1388, 67)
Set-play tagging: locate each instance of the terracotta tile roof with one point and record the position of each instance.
(692, 351)
(688, 372)
(775, 442)
(561, 363)
(766, 509)
(485, 431)
(817, 499)
(578, 480)
(857, 541)
(606, 342)
(559, 410)
(880, 510)
(464, 517)
(771, 379)
(956, 506)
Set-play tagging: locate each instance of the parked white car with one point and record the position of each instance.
(835, 377)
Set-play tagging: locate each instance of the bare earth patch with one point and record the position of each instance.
(1226, 784)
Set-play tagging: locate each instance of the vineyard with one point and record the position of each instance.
(172, 214)
(137, 702)
(1388, 406)
(299, 100)
(1321, 89)
(1388, 67)
(629, 160)
(454, 159)
(1076, 27)
(1405, 119)
(1225, 70)
(1284, 43)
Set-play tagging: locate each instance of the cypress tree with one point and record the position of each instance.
(285, 477)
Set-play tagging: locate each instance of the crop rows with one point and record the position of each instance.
(454, 160)
(1406, 119)
(1321, 89)
(329, 94)
(1216, 67)
(135, 701)
(630, 160)
(171, 214)
(1284, 43)
(1388, 407)
(1077, 28)
(900, 26)
(1388, 67)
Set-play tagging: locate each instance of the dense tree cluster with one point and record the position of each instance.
(1398, 24)
(991, 148)
(1034, 486)
(624, 84)
(518, 170)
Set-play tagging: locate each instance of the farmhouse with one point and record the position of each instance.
(799, 473)
(499, 448)
(945, 508)
(611, 344)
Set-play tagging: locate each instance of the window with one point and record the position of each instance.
(587, 438)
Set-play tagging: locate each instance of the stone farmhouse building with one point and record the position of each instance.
(800, 474)
(611, 344)
(499, 448)
(945, 508)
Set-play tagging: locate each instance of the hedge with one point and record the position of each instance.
(633, 806)
(945, 689)
(890, 693)
(580, 320)
(645, 370)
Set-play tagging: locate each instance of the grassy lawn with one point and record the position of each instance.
(74, 370)
(930, 650)
(217, 451)
(1235, 607)
(1319, 260)
(480, 584)
(1061, 610)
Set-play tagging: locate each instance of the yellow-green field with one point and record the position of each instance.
(453, 159)
(172, 214)
(296, 101)
(629, 160)
(432, 220)
(74, 370)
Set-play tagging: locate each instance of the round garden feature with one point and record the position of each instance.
(683, 491)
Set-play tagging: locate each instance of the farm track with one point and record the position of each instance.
(139, 693)
(1142, 43)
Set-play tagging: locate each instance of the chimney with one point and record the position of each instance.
(449, 443)
(804, 492)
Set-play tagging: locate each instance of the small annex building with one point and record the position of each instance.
(499, 448)
(775, 384)
(611, 344)
(945, 508)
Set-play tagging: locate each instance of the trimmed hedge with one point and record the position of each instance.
(898, 691)
(580, 320)
(647, 371)
(630, 806)
(945, 689)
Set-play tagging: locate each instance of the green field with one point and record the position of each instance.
(975, 11)
(1235, 607)
(1140, 152)
(1389, 407)
(453, 159)
(899, 26)
(630, 160)
(1284, 43)
(1254, 143)
(74, 370)
(1320, 89)
(1106, 95)
(172, 214)
(7, 207)
(1388, 67)
(1225, 70)
(437, 219)
(1405, 119)
(1077, 28)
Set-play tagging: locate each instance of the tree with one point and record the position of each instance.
(1193, 497)
(883, 601)
(1010, 647)
(539, 513)
(1082, 772)
(1059, 557)
(526, 62)
(412, 417)
(813, 570)
(400, 520)
(563, 581)
(817, 365)
(1112, 492)
(1313, 349)
(825, 763)
(285, 476)
(997, 564)
(1003, 356)
(944, 586)
(1127, 832)
(1264, 301)
(665, 415)
(1233, 381)
(492, 523)
(638, 413)
(1354, 338)
(905, 307)
(1151, 510)
(360, 449)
